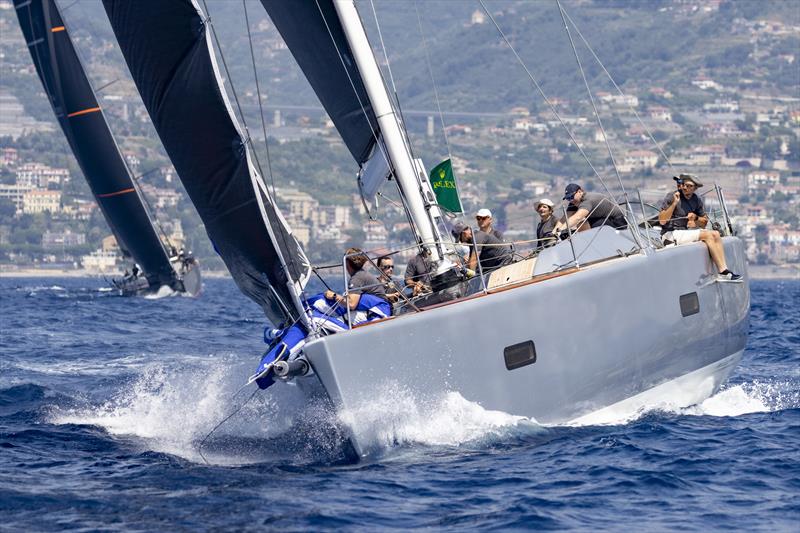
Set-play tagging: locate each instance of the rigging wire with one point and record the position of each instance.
(235, 411)
(402, 121)
(436, 94)
(258, 95)
(433, 80)
(619, 90)
(150, 207)
(247, 140)
(544, 96)
(599, 121)
(364, 111)
(263, 126)
(591, 96)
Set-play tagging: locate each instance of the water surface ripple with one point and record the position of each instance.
(103, 401)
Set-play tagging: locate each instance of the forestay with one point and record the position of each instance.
(169, 51)
(80, 117)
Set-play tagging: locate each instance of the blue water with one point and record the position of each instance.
(104, 400)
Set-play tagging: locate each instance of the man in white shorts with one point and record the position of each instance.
(683, 219)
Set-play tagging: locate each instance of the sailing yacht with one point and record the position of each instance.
(605, 319)
(154, 263)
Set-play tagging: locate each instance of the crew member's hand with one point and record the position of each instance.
(417, 288)
(676, 197)
(329, 294)
(692, 220)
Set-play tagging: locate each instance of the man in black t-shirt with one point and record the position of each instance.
(682, 217)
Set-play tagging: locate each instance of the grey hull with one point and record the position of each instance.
(603, 334)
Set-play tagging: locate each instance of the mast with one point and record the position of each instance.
(395, 141)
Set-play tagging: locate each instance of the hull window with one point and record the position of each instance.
(519, 355)
(690, 305)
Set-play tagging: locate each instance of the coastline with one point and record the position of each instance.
(7, 271)
(756, 272)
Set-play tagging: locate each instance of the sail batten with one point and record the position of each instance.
(83, 123)
(171, 58)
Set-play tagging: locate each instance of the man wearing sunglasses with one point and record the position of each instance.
(683, 219)
(386, 267)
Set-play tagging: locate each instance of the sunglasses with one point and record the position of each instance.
(387, 267)
(482, 218)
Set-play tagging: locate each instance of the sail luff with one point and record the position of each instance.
(294, 284)
(84, 125)
(170, 55)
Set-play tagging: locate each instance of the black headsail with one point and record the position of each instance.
(85, 127)
(167, 46)
(313, 33)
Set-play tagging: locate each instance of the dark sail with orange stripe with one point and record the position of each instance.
(85, 127)
(168, 49)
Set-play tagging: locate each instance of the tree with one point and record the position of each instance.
(7, 209)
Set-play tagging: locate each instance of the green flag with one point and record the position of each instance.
(444, 187)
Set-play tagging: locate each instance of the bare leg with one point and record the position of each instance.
(715, 249)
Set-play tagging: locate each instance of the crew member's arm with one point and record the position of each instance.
(665, 215)
(574, 220)
(352, 298)
(472, 262)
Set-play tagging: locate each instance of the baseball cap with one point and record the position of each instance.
(484, 213)
(458, 228)
(690, 177)
(569, 192)
(544, 201)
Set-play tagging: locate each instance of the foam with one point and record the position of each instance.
(163, 291)
(394, 416)
(730, 401)
(171, 409)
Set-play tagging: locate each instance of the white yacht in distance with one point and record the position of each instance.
(606, 318)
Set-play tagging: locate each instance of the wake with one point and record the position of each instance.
(171, 410)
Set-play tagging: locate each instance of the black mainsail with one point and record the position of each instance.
(168, 48)
(79, 114)
(314, 35)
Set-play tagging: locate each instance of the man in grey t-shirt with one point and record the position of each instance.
(418, 276)
(360, 281)
(683, 219)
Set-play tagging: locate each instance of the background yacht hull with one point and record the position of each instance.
(604, 334)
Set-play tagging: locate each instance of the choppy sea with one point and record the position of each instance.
(104, 401)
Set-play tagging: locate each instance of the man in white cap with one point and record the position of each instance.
(544, 231)
(484, 247)
(484, 219)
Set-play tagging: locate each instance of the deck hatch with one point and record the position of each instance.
(690, 304)
(519, 355)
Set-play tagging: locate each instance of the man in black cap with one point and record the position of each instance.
(491, 251)
(590, 210)
(683, 218)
